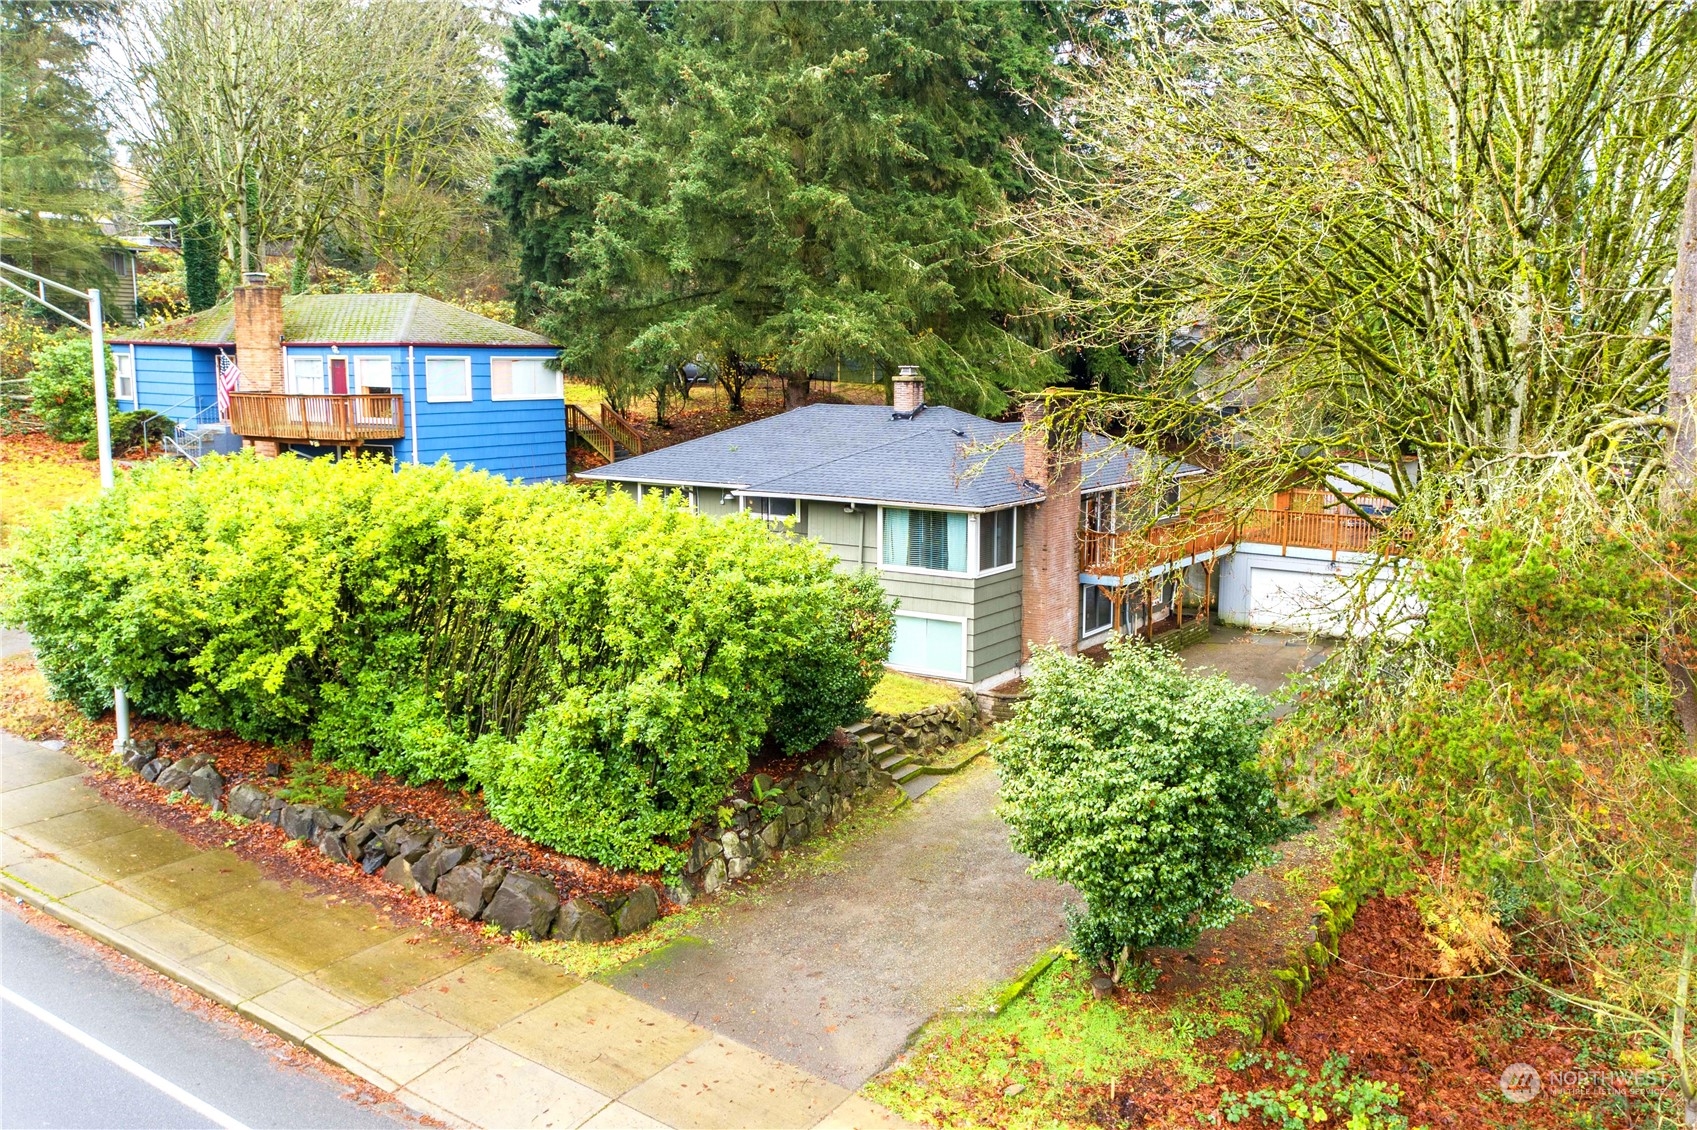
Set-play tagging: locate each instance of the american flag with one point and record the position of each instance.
(228, 376)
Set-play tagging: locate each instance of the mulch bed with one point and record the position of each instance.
(1444, 1041)
(458, 815)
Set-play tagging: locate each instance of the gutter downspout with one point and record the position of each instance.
(412, 403)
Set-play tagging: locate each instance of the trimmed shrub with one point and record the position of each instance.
(603, 668)
(1136, 783)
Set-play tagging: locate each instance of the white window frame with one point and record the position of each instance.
(470, 390)
(799, 518)
(291, 382)
(974, 549)
(558, 393)
(1085, 633)
(965, 643)
(971, 553)
(128, 353)
(973, 522)
(356, 382)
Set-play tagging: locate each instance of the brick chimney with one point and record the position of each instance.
(908, 389)
(1050, 596)
(259, 342)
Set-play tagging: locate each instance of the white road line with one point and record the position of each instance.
(119, 1059)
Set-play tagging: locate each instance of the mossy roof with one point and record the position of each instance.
(400, 319)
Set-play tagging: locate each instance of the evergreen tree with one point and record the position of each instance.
(788, 183)
(56, 176)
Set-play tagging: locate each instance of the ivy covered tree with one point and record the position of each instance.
(785, 184)
(202, 254)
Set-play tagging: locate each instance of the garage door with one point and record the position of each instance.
(1296, 602)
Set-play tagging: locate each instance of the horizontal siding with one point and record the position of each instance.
(176, 380)
(520, 439)
(998, 622)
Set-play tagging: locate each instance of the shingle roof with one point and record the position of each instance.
(400, 319)
(942, 457)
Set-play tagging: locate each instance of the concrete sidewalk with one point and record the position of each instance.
(469, 1032)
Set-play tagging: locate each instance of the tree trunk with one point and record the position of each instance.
(1681, 483)
(796, 387)
(1679, 487)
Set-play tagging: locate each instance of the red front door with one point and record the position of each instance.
(339, 375)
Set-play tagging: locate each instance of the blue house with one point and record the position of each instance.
(397, 375)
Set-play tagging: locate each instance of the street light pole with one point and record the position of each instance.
(96, 328)
(108, 480)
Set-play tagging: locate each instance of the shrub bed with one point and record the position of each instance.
(602, 669)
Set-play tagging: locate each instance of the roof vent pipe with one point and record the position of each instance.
(908, 389)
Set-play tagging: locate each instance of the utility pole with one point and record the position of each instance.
(102, 416)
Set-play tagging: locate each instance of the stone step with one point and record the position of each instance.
(894, 761)
(918, 786)
(881, 748)
(857, 728)
(901, 774)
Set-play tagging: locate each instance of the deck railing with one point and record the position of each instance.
(1309, 529)
(1105, 553)
(1304, 526)
(621, 429)
(346, 418)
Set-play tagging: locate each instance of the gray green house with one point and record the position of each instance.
(973, 532)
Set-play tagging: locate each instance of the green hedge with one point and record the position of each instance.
(603, 669)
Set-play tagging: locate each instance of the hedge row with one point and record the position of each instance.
(602, 669)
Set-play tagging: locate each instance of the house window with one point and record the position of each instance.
(1099, 512)
(925, 539)
(523, 378)
(930, 645)
(774, 509)
(447, 378)
(373, 374)
(306, 376)
(124, 375)
(1098, 610)
(995, 540)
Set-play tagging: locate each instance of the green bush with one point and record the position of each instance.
(61, 385)
(131, 430)
(603, 668)
(1135, 782)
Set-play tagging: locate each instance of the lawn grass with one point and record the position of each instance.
(1055, 1047)
(577, 392)
(35, 483)
(1062, 1051)
(897, 693)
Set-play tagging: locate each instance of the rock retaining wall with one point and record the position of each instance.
(935, 727)
(781, 814)
(412, 855)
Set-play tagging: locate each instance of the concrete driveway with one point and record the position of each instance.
(833, 972)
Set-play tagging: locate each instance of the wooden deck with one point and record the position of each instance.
(1310, 520)
(350, 418)
(1124, 554)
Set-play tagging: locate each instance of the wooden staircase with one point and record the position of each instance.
(610, 436)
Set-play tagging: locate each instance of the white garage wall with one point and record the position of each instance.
(1308, 592)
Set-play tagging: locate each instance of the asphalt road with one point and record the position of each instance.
(85, 1045)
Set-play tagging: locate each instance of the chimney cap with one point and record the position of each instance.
(908, 372)
(253, 278)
